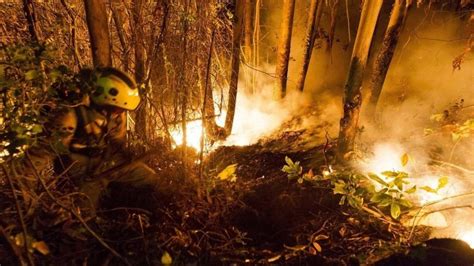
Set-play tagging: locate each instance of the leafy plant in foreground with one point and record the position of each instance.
(390, 194)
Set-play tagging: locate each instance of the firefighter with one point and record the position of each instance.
(93, 134)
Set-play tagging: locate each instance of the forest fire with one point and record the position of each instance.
(256, 116)
(237, 132)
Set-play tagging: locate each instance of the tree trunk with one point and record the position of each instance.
(255, 45)
(248, 30)
(332, 27)
(208, 111)
(73, 28)
(119, 21)
(284, 45)
(235, 64)
(311, 27)
(96, 17)
(30, 15)
(352, 89)
(141, 124)
(384, 58)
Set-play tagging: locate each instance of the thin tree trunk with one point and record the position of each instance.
(332, 27)
(205, 104)
(96, 17)
(33, 28)
(73, 28)
(248, 21)
(141, 125)
(235, 64)
(284, 45)
(311, 27)
(352, 89)
(256, 41)
(183, 87)
(119, 21)
(248, 29)
(208, 114)
(384, 58)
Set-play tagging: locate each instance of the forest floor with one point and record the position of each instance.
(258, 217)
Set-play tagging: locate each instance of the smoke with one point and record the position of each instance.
(420, 82)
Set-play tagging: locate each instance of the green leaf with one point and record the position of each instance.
(399, 183)
(402, 175)
(377, 198)
(228, 172)
(288, 161)
(342, 200)
(390, 173)
(36, 129)
(395, 210)
(411, 190)
(385, 202)
(428, 189)
(377, 179)
(405, 203)
(442, 182)
(31, 74)
(404, 159)
(339, 188)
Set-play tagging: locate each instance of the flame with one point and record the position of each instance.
(193, 134)
(256, 116)
(468, 237)
(387, 156)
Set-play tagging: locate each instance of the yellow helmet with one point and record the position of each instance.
(116, 88)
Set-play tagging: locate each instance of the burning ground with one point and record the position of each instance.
(251, 212)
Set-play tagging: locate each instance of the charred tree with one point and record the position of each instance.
(235, 65)
(283, 52)
(352, 89)
(384, 58)
(311, 28)
(96, 17)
